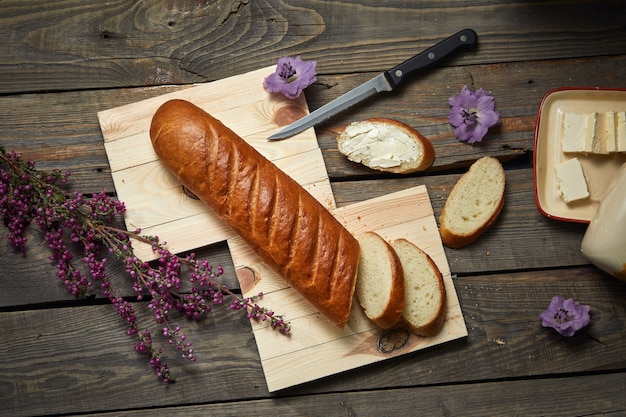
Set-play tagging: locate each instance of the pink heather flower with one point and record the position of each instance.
(472, 114)
(89, 224)
(291, 77)
(565, 316)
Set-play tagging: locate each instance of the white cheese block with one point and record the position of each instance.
(599, 134)
(610, 145)
(570, 181)
(574, 128)
(594, 133)
(590, 131)
(620, 129)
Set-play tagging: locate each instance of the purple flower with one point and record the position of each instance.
(291, 77)
(565, 316)
(472, 114)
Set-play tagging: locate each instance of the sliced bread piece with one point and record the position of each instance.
(386, 145)
(380, 281)
(473, 204)
(424, 308)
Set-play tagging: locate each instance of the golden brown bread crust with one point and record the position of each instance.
(286, 226)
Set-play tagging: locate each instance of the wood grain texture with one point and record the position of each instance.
(591, 395)
(521, 239)
(89, 44)
(63, 62)
(89, 356)
(155, 200)
(322, 349)
(156, 204)
(84, 351)
(422, 103)
(61, 130)
(31, 279)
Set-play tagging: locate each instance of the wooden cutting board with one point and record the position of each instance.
(157, 204)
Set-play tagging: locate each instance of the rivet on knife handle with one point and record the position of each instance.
(431, 56)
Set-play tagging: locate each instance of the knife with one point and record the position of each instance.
(385, 81)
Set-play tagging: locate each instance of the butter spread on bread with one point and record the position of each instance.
(473, 204)
(276, 216)
(386, 145)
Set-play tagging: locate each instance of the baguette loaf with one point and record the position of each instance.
(386, 145)
(425, 295)
(286, 226)
(473, 204)
(380, 282)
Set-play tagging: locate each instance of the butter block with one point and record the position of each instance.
(574, 132)
(599, 135)
(570, 181)
(610, 144)
(620, 129)
(590, 131)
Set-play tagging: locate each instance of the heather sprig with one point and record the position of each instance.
(82, 235)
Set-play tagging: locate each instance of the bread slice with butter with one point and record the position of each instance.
(386, 145)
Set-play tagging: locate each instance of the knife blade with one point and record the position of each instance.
(385, 81)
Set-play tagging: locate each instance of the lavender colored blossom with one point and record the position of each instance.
(565, 316)
(82, 235)
(472, 114)
(291, 77)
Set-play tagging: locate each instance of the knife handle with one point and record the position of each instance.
(430, 56)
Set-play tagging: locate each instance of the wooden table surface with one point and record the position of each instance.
(62, 62)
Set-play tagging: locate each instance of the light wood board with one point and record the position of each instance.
(156, 203)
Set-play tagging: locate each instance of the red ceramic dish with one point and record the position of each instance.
(598, 169)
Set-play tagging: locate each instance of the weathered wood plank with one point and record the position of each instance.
(586, 395)
(522, 238)
(506, 339)
(422, 103)
(31, 278)
(61, 130)
(61, 357)
(89, 44)
(62, 361)
(78, 360)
